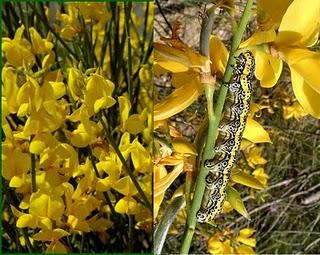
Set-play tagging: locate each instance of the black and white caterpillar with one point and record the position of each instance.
(230, 133)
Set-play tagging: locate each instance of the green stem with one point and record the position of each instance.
(105, 194)
(127, 7)
(145, 27)
(27, 240)
(188, 189)
(124, 163)
(33, 173)
(212, 126)
(131, 233)
(206, 31)
(163, 227)
(82, 242)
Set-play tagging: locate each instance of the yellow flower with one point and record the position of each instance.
(87, 130)
(15, 162)
(185, 65)
(141, 158)
(294, 111)
(10, 89)
(76, 83)
(253, 131)
(218, 247)
(39, 45)
(44, 208)
(71, 22)
(46, 205)
(135, 123)
(98, 94)
(245, 237)
(260, 175)
(53, 237)
(127, 204)
(93, 11)
(287, 38)
(18, 50)
(162, 180)
(230, 243)
(255, 157)
(40, 103)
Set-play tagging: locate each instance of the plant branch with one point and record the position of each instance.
(129, 70)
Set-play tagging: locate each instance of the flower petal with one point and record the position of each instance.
(125, 186)
(218, 55)
(307, 64)
(268, 69)
(300, 28)
(246, 179)
(181, 145)
(306, 95)
(126, 205)
(260, 37)
(255, 133)
(244, 249)
(233, 197)
(270, 13)
(179, 100)
(161, 185)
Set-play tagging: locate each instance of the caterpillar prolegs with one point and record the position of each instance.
(230, 132)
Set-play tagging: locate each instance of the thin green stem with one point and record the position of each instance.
(163, 15)
(212, 124)
(27, 240)
(124, 163)
(127, 7)
(33, 173)
(145, 28)
(188, 189)
(131, 233)
(82, 242)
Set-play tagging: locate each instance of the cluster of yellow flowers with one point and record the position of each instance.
(282, 37)
(77, 148)
(227, 242)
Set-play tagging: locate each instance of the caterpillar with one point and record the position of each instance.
(230, 133)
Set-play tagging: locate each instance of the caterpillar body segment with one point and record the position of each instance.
(214, 202)
(230, 135)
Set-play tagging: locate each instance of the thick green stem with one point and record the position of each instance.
(206, 31)
(213, 122)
